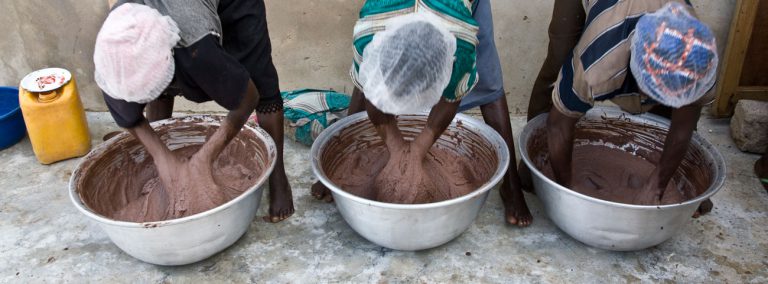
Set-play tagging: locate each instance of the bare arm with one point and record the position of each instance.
(560, 142)
(356, 102)
(676, 144)
(229, 128)
(151, 141)
(231, 125)
(386, 126)
(683, 124)
(439, 118)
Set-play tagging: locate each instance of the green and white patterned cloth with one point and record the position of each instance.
(455, 14)
(308, 112)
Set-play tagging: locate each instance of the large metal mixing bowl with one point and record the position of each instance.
(617, 226)
(184, 240)
(413, 226)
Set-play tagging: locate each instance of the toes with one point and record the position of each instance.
(275, 218)
(268, 219)
(525, 221)
(280, 216)
(704, 208)
(287, 213)
(519, 219)
(319, 191)
(511, 219)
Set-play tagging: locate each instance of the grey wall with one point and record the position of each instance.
(311, 41)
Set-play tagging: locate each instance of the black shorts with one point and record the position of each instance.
(246, 38)
(203, 72)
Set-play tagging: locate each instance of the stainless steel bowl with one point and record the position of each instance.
(617, 226)
(184, 240)
(412, 226)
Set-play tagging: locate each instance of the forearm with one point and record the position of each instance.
(386, 126)
(232, 123)
(439, 118)
(560, 143)
(683, 123)
(356, 102)
(151, 141)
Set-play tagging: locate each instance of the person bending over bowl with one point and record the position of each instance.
(427, 58)
(149, 51)
(637, 58)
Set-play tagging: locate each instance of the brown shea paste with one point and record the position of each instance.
(123, 183)
(458, 163)
(613, 158)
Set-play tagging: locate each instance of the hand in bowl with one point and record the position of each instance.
(404, 179)
(189, 184)
(652, 192)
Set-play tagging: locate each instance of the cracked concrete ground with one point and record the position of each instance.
(43, 238)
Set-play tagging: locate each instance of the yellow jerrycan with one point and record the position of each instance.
(54, 115)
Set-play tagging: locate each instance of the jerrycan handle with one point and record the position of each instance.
(47, 97)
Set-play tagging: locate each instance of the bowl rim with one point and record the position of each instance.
(215, 119)
(717, 158)
(13, 111)
(475, 125)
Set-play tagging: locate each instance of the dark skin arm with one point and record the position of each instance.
(175, 171)
(232, 123)
(683, 123)
(560, 143)
(439, 118)
(229, 128)
(386, 126)
(404, 174)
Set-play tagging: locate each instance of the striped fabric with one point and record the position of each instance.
(457, 16)
(598, 67)
(308, 112)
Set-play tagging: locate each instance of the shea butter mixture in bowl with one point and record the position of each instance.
(458, 163)
(124, 183)
(613, 158)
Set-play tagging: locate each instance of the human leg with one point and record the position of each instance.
(496, 115)
(280, 194)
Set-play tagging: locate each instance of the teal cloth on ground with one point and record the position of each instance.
(310, 111)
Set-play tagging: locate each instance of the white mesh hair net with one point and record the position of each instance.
(407, 66)
(674, 56)
(133, 54)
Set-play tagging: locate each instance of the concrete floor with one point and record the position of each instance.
(43, 238)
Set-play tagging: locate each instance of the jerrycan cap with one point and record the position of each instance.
(46, 80)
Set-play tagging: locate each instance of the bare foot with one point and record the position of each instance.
(515, 209)
(280, 197)
(320, 192)
(704, 208)
(526, 180)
